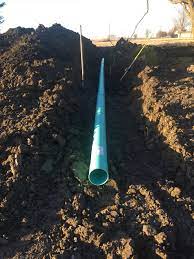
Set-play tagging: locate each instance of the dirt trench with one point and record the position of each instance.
(46, 212)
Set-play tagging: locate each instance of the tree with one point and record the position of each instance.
(1, 18)
(173, 32)
(147, 33)
(181, 22)
(188, 6)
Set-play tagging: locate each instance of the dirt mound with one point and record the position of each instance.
(39, 93)
(166, 102)
(11, 36)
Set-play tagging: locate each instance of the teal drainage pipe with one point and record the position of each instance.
(98, 171)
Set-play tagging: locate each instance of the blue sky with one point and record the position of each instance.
(95, 16)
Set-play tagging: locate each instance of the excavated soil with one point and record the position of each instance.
(163, 102)
(146, 210)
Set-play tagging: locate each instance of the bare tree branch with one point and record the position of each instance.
(186, 10)
(1, 18)
(2, 4)
(188, 6)
(179, 1)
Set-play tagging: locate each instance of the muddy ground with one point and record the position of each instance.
(146, 210)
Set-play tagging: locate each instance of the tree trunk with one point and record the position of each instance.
(192, 22)
(191, 11)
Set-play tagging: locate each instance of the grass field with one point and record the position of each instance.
(160, 41)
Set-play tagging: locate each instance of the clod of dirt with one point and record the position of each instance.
(175, 192)
(149, 230)
(160, 237)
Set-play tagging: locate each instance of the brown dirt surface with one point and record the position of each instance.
(166, 102)
(146, 210)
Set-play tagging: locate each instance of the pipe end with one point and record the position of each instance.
(98, 177)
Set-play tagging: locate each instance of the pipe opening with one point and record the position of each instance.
(98, 177)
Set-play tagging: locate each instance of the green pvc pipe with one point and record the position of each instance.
(98, 171)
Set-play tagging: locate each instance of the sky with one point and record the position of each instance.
(94, 15)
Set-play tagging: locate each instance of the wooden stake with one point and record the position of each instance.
(82, 59)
